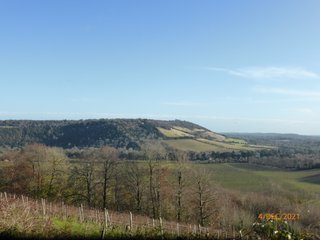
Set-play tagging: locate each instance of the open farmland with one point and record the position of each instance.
(201, 140)
(206, 145)
(247, 178)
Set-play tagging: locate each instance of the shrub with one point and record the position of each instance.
(274, 230)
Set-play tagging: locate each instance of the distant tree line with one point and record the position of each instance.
(280, 157)
(290, 150)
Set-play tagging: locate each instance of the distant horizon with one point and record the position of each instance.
(231, 66)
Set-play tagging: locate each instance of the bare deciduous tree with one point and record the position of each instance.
(135, 181)
(204, 196)
(154, 152)
(179, 173)
(109, 157)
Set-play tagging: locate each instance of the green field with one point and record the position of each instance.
(246, 178)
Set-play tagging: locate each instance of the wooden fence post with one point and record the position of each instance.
(109, 218)
(195, 229)
(37, 207)
(131, 221)
(80, 218)
(22, 198)
(82, 213)
(178, 229)
(161, 226)
(43, 203)
(106, 218)
(105, 223)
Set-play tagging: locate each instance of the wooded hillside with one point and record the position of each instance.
(120, 133)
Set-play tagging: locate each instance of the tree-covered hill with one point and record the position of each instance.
(124, 133)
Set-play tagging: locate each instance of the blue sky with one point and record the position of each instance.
(231, 66)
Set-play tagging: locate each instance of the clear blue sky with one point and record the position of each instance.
(240, 66)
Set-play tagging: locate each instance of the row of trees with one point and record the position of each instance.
(99, 178)
(281, 158)
(277, 157)
(153, 186)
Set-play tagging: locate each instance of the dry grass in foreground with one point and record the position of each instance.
(25, 218)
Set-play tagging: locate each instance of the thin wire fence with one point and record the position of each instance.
(109, 219)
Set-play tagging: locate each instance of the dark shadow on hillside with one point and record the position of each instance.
(256, 167)
(315, 179)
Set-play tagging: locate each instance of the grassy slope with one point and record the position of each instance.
(200, 140)
(247, 178)
(254, 178)
(173, 133)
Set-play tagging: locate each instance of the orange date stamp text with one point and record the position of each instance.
(279, 216)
